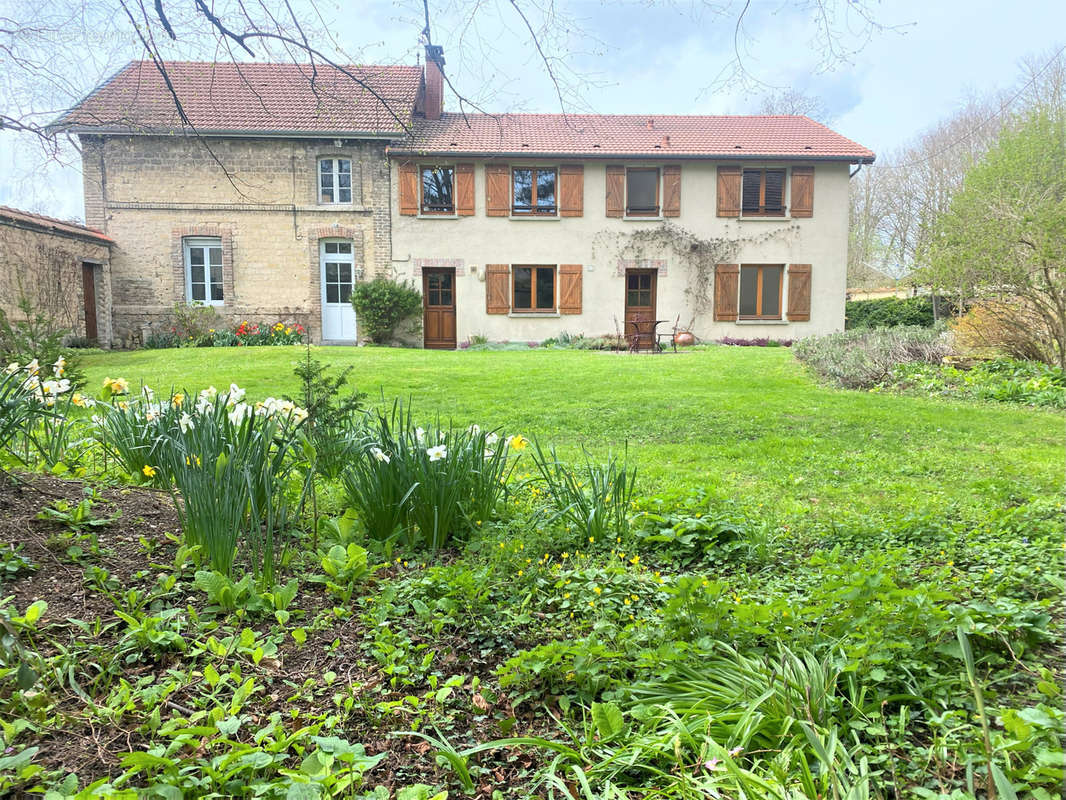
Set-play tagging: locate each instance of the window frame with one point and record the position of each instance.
(535, 210)
(536, 268)
(335, 174)
(206, 243)
(337, 258)
(658, 208)
(762, 211)
(758, 292)
(422, 211)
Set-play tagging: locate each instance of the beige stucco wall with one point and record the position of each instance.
(46, 269)
(603, 246)
(258, 195)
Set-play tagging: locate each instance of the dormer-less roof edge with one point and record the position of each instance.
(658, 155)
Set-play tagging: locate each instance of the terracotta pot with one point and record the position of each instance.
(684, 338)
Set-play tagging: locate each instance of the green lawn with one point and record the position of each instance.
(742, 423)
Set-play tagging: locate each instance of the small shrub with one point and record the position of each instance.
(161, 340)
(382, 304)
(1005, 327)
(863, 359)
(194, 324)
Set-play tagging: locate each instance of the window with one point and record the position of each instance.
(337, 268)
(638, 289)
(764, 193)
(534, 289)
(533, 190)
(760, 291)
(335, 180)
(437, 195)
(203, 271)
(642, 192)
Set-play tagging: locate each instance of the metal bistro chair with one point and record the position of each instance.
(672, 334)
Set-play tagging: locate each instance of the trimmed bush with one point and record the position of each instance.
(382, 304)
(889, 312)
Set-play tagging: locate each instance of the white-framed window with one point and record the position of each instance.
(334, 180)
(203, 270)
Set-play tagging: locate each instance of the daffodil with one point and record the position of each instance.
(380, 455)
(149, 472)
(519, 443)
(437, 453)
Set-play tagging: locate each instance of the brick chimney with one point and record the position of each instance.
(434, 77)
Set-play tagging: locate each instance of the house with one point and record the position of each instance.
(61, 269)
(267, 200)
(275, 193)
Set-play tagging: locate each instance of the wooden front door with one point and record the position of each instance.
(438, 303)
(88, 288)
(640, 303)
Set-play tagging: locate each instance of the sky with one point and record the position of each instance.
(881, 85)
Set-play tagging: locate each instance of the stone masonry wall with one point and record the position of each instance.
(259, 196)
(46, 269)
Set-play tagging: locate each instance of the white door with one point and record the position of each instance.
(338, 274)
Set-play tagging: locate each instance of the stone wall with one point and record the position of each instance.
(259, 196)
(46, 269)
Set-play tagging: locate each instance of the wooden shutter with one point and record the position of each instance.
(672, 190)
(729, 192)
(408, 189)
(464, 189)
(799, 292)
(497, 289)
(803, 191)
(726, 291)
(571, 190)
(616, 191)
(569, 288)
(497, 190)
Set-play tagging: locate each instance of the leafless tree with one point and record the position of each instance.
(795, 102)
(53, 52)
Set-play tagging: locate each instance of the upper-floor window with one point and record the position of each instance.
(533, 289)
(642, 192)
(437, 193)
(534, 190)
(203, 270)
(334, 180)
(763, 192)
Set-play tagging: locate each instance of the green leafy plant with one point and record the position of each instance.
(595, 499)
(382, 304)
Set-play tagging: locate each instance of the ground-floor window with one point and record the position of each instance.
(203, 270)
(533, 288)
(760, 291)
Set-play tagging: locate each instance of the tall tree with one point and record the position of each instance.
(1002, 240)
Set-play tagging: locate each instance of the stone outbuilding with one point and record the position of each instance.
(61, 268)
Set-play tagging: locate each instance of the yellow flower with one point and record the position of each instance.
(634, 560)
(178, 399)
(627, 601)
(520, 573)
(565, 555)
(592, 603)
(597, 590)
(519, 442)
(592, 539)
(149, 472)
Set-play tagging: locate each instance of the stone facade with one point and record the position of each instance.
(258, 195)
(46, 266)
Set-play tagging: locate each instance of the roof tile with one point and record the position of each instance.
(50, 224)
(658, 136)
(250, 97)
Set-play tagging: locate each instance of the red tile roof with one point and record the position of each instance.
(51, 225)
(229, 97)
(588, 135)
